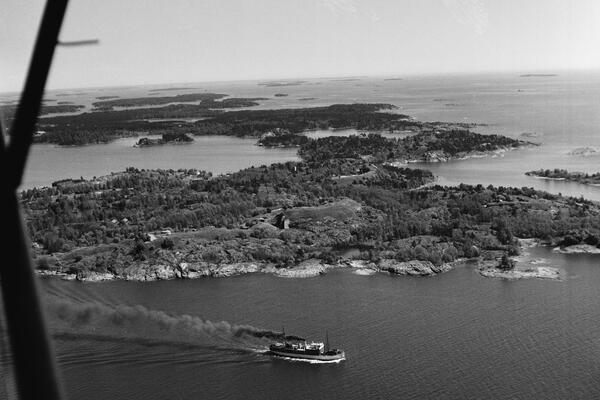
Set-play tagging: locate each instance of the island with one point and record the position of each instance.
(282, 138)
(216, 115)
(164, 139)
(208, 100)
(564, 175)
(61, 107)
(583, 151)
(172, 88)
(507, 268)
(280, 95)
(281, 83)
(537, 75)
(346, 204)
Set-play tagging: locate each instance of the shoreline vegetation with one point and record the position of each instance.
(564, 175)
(347, 203)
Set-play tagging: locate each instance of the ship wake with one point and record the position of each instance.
(140, 324)
(308, 361)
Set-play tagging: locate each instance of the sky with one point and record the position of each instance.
(160, 41)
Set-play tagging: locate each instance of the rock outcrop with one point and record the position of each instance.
(578, 249)
(533, 272)
(414, 267)
(305, 269)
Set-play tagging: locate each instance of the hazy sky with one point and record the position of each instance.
(144, 41)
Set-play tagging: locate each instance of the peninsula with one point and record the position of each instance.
(564, 175)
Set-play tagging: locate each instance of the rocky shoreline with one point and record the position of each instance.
(525, 268)
(306, 269)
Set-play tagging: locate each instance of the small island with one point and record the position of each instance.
(564, 175)
(280, 95)
(508, 268)
(169, 89)
(282, 138)
(168, 137)
(281, 83)
(537, 75)
(583, 151)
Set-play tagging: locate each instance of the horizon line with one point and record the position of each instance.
(555, 71)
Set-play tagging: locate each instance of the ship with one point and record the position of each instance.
(299, 348)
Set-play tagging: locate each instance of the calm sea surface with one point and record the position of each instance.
(457, 335)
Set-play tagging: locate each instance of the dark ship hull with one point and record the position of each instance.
(284, 350)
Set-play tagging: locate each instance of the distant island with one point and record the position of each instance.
(166, 138)
(345, 79)
(281, 83)
(172, 89)
(61, 107)
(280, 94)
(536, 75)
(216, 115)
(207, 100)
(564, 175)
(583, 151)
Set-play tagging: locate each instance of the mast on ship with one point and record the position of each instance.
(326, 341)
(283, 333)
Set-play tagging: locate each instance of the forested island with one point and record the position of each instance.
(564, 175)
(347, 203)
(61, 107)
(213, 116)
(282, 138)
(164, 139)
